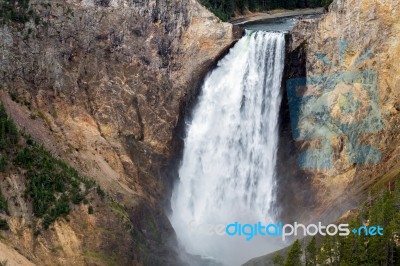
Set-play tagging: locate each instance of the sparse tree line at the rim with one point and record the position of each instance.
(225, 9)
(355, 250)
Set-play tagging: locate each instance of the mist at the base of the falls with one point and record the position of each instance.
(228, 170)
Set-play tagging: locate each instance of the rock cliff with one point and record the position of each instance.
(356, 44)
(352, 50)
(102, 85)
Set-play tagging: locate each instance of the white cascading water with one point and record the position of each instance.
(228, 168)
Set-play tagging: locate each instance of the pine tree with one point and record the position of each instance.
(294, 256)
(314, 3)
(311, 253)
(278, 260)
(290, 4)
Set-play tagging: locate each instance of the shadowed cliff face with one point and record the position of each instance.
(108, 81)
(357, 42)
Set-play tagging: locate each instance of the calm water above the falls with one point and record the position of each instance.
(279, 25)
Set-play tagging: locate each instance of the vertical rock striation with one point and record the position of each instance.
(109, 80)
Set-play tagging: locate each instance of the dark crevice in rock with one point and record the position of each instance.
(292, 192)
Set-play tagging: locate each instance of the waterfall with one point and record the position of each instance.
(228, 167)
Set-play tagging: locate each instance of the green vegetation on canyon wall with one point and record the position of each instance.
(49, 211)
(330, 45)
(51, 185)
(19, 11)
(353, 250)
(101, 85)
(225, 9)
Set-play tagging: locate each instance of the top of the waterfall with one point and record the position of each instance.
(249, 32)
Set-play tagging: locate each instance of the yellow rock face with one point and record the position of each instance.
(361, 26)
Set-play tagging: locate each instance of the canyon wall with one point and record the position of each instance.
(102, 85)
(352, 50)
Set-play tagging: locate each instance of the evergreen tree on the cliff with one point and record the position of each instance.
(278, 260)
(311, 253)
(380, 249)
(395, 225)
(326, 3)
(328, 252)
(290, 4)
(294, 256)
(363, 248)
(313, 3)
